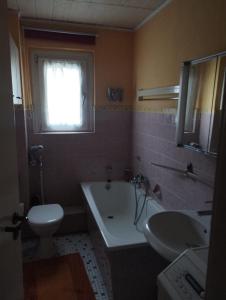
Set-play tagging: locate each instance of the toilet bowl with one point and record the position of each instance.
(44, 220)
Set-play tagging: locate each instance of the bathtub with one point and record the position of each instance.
(113, 208)
(129, 266)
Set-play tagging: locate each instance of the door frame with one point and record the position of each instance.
(216, 271)
(11, 277)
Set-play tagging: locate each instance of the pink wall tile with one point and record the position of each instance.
(154, 141)
(121, 139)
(22, 155)
(72, 158)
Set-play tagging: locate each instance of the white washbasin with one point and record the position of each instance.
(172, 232)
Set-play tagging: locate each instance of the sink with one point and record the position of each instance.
(172, 232)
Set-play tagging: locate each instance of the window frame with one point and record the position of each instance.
(85, 58)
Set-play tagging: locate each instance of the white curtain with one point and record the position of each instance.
(62, 94)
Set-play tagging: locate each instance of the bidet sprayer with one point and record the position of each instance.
(36, 148)
(35, 156)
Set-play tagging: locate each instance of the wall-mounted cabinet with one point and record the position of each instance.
(201, 102)
(15, 72)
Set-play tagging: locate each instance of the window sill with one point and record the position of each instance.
(63, 132)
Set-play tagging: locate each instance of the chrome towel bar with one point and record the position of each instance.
(188, 172)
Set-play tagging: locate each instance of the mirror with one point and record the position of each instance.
(200, 107)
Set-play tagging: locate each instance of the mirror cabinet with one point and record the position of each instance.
(202, 92)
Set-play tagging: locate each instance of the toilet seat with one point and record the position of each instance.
(45, 214)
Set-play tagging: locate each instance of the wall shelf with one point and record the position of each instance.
(162, 93)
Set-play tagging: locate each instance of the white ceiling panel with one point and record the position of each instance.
(110, 2)
(104, 14)
(44, 11)
(13, 4)
(126, 14)
(142, 3)
(61, 10)
(119, 17)
(27, 7)
(84, 13)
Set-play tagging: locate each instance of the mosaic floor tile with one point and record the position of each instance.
(73, 243)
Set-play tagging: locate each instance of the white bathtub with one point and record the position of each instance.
(114, 211)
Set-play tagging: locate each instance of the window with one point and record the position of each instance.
(62, 91)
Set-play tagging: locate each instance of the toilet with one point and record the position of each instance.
(44, 220)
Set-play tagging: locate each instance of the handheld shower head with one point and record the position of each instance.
(35, 156)
(35, 148)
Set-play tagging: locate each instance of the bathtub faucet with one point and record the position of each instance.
(140, 179)
(108, 170)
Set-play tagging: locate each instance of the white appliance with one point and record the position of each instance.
(185, 277)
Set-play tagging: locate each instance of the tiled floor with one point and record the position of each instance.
(73, 243)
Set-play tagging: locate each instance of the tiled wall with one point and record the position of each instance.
(72, 158)
(122, 139)
(22, 161)
(154, 141)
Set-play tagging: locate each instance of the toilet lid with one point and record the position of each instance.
(47, 213)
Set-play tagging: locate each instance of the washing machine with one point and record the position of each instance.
(185, 277)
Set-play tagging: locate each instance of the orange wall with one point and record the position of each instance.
(113, 59)
(152, 56)
(182, 31)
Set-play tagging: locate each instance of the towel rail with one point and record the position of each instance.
(188, 172)
(161, 93)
